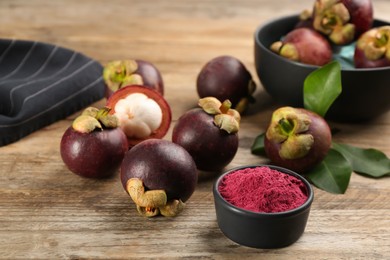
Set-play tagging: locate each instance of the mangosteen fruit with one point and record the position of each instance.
(93, 146)
(297, 139)
(160, 176)
(209, 133)
(305, 20)
(120, 73)
(373, 48)
(226, 77)
(342, 21)
(304, 45)
(143, 113)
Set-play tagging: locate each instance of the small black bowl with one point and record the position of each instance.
(262, 230)
(365, 92)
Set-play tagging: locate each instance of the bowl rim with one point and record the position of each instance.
(270, 22)
(306, 205)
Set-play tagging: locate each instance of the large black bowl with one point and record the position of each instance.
(365, 92)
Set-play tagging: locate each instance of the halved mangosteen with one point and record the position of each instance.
(143, 113)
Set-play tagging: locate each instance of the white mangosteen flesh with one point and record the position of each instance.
(138, 115)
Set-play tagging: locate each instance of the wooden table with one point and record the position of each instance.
(48, 212)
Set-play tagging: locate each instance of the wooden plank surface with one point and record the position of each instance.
(46, 212)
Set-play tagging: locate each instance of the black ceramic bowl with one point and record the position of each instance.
(365, 94)
(262, 230)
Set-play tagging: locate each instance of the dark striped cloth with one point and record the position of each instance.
(41, 83)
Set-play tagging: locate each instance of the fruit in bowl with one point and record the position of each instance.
(304, 45)
(357, 102)
(373, 48)
(342, 20)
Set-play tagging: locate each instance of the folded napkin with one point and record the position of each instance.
(41, 83)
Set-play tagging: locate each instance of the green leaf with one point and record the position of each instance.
(258, 145)
(322, 87)
(369, 162)
(332, 174)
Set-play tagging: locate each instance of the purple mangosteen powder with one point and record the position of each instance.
(262, 189)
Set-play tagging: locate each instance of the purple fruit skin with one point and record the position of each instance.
(94, 155)
(211, 147)
(312, 47)
(150, 75)
(361, 13)
(322, 142)
(224, 77)
(161, 164)
(361, 61)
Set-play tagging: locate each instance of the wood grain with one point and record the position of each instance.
(46, 212)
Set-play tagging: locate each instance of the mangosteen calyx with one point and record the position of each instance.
(93, 118)
(152, 202)
(225, 117)
(376, 43)
(118, 74)
(244, 102)
(287, 50)
(288, 128)
(172, 208)
(331, 17)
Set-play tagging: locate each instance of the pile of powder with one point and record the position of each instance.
(262, 189)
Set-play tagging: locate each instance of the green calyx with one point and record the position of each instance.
(286, 50)
(331, 17)
(118, 74)
(244, 102)
(376, 43)
(225, 117)
(93, 118)
(288, 127)
(152, 202)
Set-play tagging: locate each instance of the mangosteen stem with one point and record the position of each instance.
(382, 39)
(243, 103)
(225, 106)
(108, 120)
(286, 126)
(103, 112)
(146, 199)
(329, 21)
